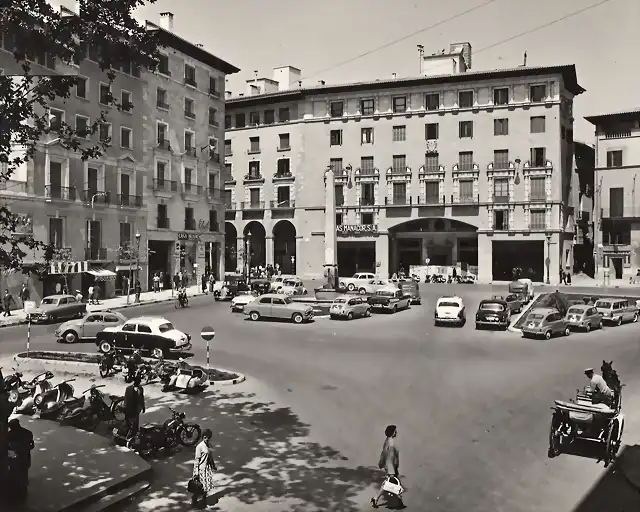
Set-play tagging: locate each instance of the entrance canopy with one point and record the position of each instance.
(102, 274)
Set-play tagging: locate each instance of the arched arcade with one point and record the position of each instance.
(284, 246)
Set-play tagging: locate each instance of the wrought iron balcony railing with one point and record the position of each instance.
(132, 201)
(95, 253)
(62, 193)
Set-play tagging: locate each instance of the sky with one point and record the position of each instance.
(318, 35)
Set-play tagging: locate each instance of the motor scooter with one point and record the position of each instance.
(54, 402)
(98, 408)
(111, 362)
(38, 385)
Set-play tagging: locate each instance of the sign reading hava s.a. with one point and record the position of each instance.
(357, 229)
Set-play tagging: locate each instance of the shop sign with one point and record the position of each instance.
(188, 236)
(357, 229)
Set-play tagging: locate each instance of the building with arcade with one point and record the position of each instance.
(469, 167)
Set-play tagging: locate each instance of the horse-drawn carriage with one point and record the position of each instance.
(590, 417)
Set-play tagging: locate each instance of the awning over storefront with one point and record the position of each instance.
(102, 274)
(126, 268)
(68, 267)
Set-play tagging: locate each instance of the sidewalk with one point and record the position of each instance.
(19, 317)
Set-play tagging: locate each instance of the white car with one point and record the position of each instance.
(450, 311)
(292, 286)
(276, 284)
(358, 279)
(240, 301)
(373, 285)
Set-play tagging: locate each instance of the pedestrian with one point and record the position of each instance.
(133, 406)
(58, 288)
(156, 283)
(176, 281)
(20, 442)
(389, 460)
(203, 468)
(204, 283)
(96, 296)
(212, 282)
(79, 296)
(6, 303)
(25, 295)
(161, 281)
(138, 290)
(90, 294)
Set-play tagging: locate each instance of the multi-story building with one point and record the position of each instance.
(583, 246)
(470, 168)
(184, 104)
(617, 205)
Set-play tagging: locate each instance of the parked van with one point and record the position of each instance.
(616, 310)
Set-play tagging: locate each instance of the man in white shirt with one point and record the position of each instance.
(598, 384)
(91, 294)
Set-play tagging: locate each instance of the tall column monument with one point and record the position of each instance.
(330, 239)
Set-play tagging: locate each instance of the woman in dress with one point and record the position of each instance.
(203, 468)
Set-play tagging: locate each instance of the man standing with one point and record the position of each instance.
(20, 441)
(389, 458)
(133, 405)
(90, 294)
(176, 281)
(204, 283)
(25, 295)
(138, 290)
(6, 303)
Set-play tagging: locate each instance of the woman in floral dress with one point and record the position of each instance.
(203, 468)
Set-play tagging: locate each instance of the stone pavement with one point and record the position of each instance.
(19, 317)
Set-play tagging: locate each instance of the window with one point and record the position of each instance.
(213, 86)
(538, 157)
(284, 196)
(56, 234)
(501, 96)
(399, 104)
(284, 167)
(160, 171)
(431, 131)
(163, 219)
(227, 122)
(104, 132)
(465, 188)
(432, 101)
(240, 120)
(129, 327)
(366, 136)
(339, 219)
(538, 219)
(501, 127)
(465, 99)
(335, 138)
(228, 172)
(367, 194)
(189, 220)
(614, 158)
(336, 166)
(163, 65)
(254, 144)
(465, 160)
(82, 126)
(254, 196)
(367, 107)
(501, 159)
(125, 101)
(366, 165)
(190, 75)
(254, 169)
(189, 109)
(285, 142)
(227, 148)
(538, 124)
(213, 220)
(399, 163)
(254, 118)
(161, 99)
(213, 114)
(284, 115)
(432, 192)
(465, 129)
(188, 178)
(125, 137)
(399, 193)
(56, 118)
(537, 93)
(432, 162)
(501, 190)
(81, 87)
(616, 202)
(366, 219)
(104, 94)
(163, 130)
(212, 183)
(538, 189)
(339, 193)
(227, 195)
(269, 116)
(501, 220)
(399, 133)
(125, 235)
(336, 109)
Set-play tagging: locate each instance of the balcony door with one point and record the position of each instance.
(125, 189)
(92, 182)
(55, 179)
(616, 202)
(94, 238)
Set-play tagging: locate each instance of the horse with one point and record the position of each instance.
(610, 376)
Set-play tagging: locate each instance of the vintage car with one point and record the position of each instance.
(584, 317)
(512, 300)
(450, 311)
(372, 286)
(390, 299)
(493, 312)
(617, 310)
(545, 323)
(522, 289)
(148, 333)
(292, 286)
(88, 327)
(239, 302)
(411, 288)
(280, 306)
(276, 282)
(353, 283)
(349, 307)
(58, 307)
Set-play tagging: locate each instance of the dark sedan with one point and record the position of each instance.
(493, 313)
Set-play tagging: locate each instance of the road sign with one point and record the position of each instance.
(207, 333)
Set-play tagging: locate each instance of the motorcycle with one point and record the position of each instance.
(188, 434)
(133, 366)
(162, 371)
(187, 378)
(54, 402)
(26, 394)
(437, 278)
(100, 408)
(112, 362)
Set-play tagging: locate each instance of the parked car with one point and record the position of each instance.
(390, 299)
(512, 300)
(530, 290)
(411, 288)
(58, 307)
(372, 286)
(276, 283)
(493, 313)
(353, 283)
(545, 323)
(147, 333)
(88, 327)
(617, 310)
(292, 286)
(585, 317)
(239, 302)
(349, 307)
(274, 305)
(450, 310)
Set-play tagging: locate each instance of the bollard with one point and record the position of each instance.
(28, 334)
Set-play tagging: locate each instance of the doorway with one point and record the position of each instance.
(617, 267)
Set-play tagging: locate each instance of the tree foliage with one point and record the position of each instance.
(39, 32)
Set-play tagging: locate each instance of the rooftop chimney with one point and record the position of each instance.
(166, 21)
(299, 83)
(227, 94)
(321, 82)
(241, 94)
(393, 76)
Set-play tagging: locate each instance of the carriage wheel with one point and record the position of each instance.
(555, 447)
(613, 444)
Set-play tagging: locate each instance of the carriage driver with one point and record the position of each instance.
(598, 384)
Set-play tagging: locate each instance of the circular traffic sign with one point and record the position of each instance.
(207, 333)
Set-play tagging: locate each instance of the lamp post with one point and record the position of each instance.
(247, 256)
(293, 264)
(548, 259)
(137, 260)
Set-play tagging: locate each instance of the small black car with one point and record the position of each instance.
(493, 313)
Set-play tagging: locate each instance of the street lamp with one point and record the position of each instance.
(548, 259)
(93, 200)
(247, 256)
(137, 260)
(293, 264)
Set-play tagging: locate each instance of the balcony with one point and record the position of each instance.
(287, 204)
(96, 197)
(161, 185)
(397, 201)
(538, 199)
(214, 157)
(164, 144)
(500, 199)
(189, 114)
(214, 93)
(283, 175)
(192, 152)
(253, 177)
(617, 135)
(127, 253)
(256, 205)
(367, 201)
(255, 150)
(465, 199)
(613, 248)
(191, 189)
(213, 122)
(191, 82)
(62, 254)
(190, 224)
(162, 223)
(626, 212)
(129, 201)
(431, 200)
(162, 105)
(285, 148)
(214, 194)
(13, 187)
(230, 205)
(95, 253)
(228, 151)
(60, 193)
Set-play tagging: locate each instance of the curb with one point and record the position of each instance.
(525, 311)
(620, 468)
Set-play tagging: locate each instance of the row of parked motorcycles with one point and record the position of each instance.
(439, 278)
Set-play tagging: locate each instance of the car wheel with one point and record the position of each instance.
(588, 327)
(70, 337)
(255, 316)
(635, 318)
(478, 326)
(105, 347)
(350, 316)
(351, 287)
(362, 291)
(436, 323)
(333, 317)
(600, 324)
(157, 353)
(298, 319)
(395, 309)
(619, 321)
(547, 335)
(367, 312)
(567, 331)
(341, 285)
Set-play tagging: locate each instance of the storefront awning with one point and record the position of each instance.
(102, 274)
(68, 267)
(126, 268)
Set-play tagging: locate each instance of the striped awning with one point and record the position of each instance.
(102, 274)
(126, 268)
(68, 267)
